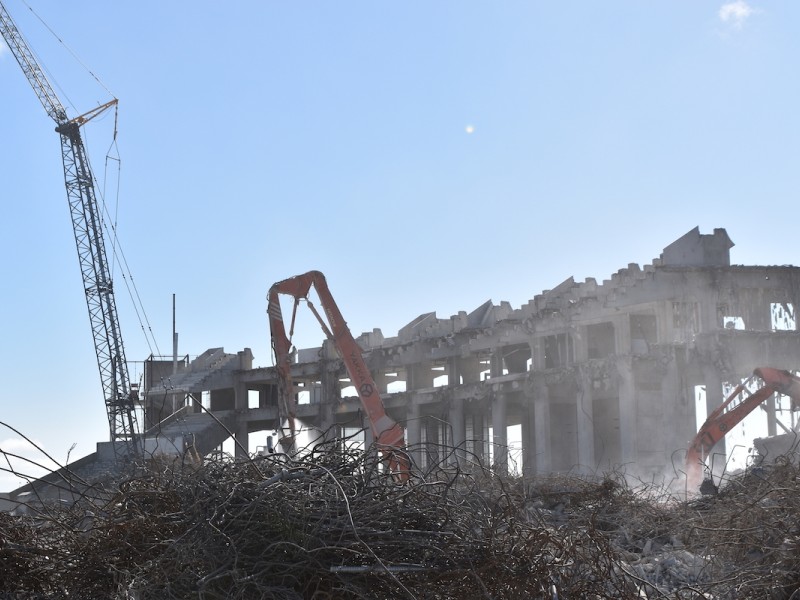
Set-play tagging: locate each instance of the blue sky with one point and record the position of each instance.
(427, 156)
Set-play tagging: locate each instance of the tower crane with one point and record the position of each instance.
(120, 396)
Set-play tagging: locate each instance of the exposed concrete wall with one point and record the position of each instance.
(697, 250)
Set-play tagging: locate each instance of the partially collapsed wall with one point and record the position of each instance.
(598, 375)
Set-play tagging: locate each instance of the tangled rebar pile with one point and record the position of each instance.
(332, 524)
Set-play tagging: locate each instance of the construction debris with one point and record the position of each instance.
(334, 524)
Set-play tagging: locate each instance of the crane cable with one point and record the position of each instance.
(72, 53)
(116, 248)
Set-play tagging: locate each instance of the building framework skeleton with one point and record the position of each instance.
(598, 375)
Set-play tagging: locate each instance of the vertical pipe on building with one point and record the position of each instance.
(174, 340)
(174, 397)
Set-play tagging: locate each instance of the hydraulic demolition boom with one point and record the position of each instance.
(731, 412)
(387, 433)
(120, 396)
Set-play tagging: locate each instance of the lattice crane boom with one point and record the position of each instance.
(120, 396)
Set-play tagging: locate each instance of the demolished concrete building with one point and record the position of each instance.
(598, 375)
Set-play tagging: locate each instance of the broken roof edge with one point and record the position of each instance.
(428, 325)
(692, 251)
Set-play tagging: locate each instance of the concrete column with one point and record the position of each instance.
(326, 422)
(585, 420)
(794, 286)
(678, 403)
(381, 381)
(541, 430)
(713, 401)
(499, 433)
(622, 334)
(331, 387)
(528, 429)
(329, 399)
(478, 440)
(240, 401)
(413, 433)
(496, 364)
(627, 409)
(453, 372)
(432, 441)
(538, 354)
(457, 424)
(458, 428)
(242, 446)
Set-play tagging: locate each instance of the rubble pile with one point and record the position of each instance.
(333, 524)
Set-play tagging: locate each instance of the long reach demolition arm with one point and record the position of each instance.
(387, 433)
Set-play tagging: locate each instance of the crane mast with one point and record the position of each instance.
(120, 396)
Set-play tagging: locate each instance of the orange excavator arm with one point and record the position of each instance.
(387, 433)
(732, 411)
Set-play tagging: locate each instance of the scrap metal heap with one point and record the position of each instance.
(336, 524)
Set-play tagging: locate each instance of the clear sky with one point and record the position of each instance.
(426, 156)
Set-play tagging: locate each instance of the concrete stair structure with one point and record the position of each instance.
(201, 372)
(183, 430)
